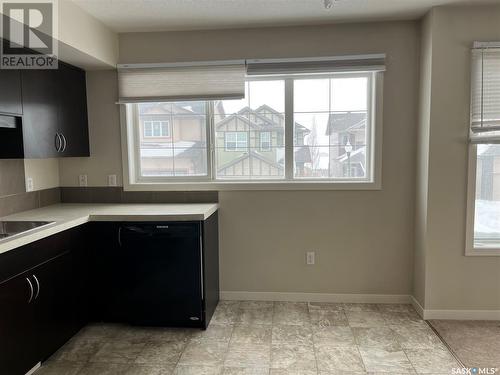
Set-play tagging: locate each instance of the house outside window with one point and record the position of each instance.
(265, 141)
(286, 129)
(156, 129)
(236, 141)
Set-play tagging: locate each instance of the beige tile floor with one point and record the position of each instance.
(256, 338)
(475, 342)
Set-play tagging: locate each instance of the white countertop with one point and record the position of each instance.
(66, 216)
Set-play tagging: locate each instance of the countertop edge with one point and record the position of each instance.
(60, 226)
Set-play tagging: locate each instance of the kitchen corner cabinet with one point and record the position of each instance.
(54, 119)
(40, 296)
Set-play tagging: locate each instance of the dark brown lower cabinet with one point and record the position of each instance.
(39, 307)
(143, 273)
(18, 336)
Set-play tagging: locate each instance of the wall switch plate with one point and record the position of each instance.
(310, 258)
(112, 180)
(29, 184)
(82, 180)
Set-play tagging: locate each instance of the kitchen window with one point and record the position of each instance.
(483, 203)
(321, 131)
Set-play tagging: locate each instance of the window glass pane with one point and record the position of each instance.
(332, 143)
(264, 94)
(311, 95)
(239, 153)
(174, 139)
(349, 94)
(487, 215)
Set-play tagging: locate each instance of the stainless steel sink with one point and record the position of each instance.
(11, 228)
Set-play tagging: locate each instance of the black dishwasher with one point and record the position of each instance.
(161, 274)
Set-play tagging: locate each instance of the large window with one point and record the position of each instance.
(483, 207)
(484, 200)
(296, 129)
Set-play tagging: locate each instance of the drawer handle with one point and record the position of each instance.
(31, 290)
(37, 287)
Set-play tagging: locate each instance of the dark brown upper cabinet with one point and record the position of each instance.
(10, 92)
(44, 113)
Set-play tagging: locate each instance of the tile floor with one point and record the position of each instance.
(475, 342)
(272, 338)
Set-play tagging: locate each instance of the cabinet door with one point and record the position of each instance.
(10, 92)
(54, 305)
(73, 122)
(40, 107)
(18, 350)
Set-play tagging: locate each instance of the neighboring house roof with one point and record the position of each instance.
(345, 121)
(356, 156)
(247, 155)
(178, 108)
(266, 124)
(180, 149)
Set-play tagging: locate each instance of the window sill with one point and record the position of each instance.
(482, 252)
(268, 185)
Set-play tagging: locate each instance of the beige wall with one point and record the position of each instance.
(453, 281)
(422, 171)
(104, 130)
(87, 36)
(363, 239)
(44, 172)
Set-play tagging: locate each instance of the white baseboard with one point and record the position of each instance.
(428, 314)
(462, 314)
(314, 297)
(362, 298)
(417, 306)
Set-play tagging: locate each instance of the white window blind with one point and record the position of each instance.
(183, 81)
(355, 63)
(485, 93)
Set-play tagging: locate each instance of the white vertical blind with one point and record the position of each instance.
(189, 81)
(485, 92)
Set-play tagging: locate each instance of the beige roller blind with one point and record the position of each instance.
(356, 63)
(170, 82)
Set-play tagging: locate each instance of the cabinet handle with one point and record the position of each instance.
(37, 287)
(65, 143)
(120, 236)
(31, 290)
(58, 142)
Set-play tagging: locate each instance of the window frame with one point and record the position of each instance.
(131, 157)
(470, 249)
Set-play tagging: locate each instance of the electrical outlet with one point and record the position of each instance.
(310, 258)
(112, 180)
(82, 179)
(29, 184)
